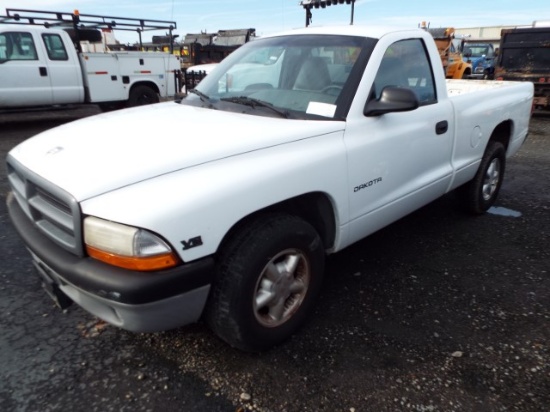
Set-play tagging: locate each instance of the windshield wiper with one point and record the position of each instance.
(249, 101)
(204, 98)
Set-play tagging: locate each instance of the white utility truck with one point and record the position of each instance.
(42, 65)
(297, 145)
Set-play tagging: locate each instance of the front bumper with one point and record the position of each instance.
(136, 301)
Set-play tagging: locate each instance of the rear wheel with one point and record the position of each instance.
(142, 95)
(481, 192)
(269, 274)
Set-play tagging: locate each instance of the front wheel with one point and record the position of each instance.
(142, 95)
(481, 192)
(268, 276)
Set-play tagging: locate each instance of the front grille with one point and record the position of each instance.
(52, 210)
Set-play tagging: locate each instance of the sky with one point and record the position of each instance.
(271, 16)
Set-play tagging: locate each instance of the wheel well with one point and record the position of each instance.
(151, 85)
(502, 133)
(315, 208)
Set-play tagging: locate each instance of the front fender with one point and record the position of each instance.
(194, 208)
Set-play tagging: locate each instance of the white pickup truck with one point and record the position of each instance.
(297, 145)
(40, 66)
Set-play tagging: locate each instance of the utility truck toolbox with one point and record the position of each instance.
(309, 141)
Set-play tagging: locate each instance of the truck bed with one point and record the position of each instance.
(458, 86)
(479, 106)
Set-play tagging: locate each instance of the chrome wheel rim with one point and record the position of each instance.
(281, 288)
(492, 177)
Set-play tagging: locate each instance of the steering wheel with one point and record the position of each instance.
(332, 89)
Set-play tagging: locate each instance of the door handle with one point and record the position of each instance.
(43, 71)
(441, 127)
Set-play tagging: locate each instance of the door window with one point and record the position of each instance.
(55, 47)
(17, 46)
(406, 64)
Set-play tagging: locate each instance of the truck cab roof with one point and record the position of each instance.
(374, 32)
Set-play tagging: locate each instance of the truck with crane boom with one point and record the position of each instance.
(451, 58)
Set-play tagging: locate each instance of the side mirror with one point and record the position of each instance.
(393, 99)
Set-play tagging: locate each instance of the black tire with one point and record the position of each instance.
(142, 95)
(481, 192)
(488, 75)
(268, 276)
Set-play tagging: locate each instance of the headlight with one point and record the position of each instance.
(126, 246)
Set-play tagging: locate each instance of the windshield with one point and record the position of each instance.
(298, 76)
(475, 50)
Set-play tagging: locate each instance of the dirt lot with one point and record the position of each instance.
(438, 312)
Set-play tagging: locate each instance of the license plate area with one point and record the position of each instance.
(50, 285)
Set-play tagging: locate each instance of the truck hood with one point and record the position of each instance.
(102, 153)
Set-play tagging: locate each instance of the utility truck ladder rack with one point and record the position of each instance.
(78, 21)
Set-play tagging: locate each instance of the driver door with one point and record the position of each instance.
(399, 161)
(23, 71)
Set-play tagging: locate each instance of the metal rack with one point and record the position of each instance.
(315, 4)
(78, 21)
